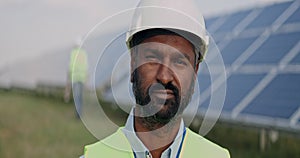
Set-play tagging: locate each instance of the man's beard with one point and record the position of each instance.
(147, 105)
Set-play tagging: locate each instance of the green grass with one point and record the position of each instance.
(244, 142)
(34, 126)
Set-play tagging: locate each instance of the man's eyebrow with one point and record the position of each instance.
(183, 55)
(188, 57)
(152, 50)
(157, 52)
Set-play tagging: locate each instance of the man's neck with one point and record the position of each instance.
(157, 140)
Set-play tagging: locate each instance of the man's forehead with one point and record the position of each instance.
(175, 43)
(172, 38)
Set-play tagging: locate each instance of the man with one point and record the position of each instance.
(167, 41)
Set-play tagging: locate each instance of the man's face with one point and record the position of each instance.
(163, 75)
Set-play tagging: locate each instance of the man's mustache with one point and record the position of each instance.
(161, 86)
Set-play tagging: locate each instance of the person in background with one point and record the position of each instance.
(77, 75)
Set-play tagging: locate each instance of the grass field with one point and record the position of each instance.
(33, 126)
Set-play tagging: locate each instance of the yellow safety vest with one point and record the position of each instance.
(78, 65)
(117, 146)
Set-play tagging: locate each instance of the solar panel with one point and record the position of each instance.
(274, 49)
(204, 81)
(296, 60)
(216, 39)
(279, 99)
(204, 84)
(232, 21)
(235, 48)
(209, 22)
(269, 15)
(238, 86)
(254, 93)
(295, 18)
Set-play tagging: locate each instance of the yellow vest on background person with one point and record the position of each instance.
(117, 146)
(78, 65)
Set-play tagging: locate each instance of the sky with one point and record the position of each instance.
(30, 28)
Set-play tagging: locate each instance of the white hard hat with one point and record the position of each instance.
(182, 17)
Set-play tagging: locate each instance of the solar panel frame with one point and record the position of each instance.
(232, 21)
(235, 48)
(295, 18)
(281, 108)
(237, 91)
(269, 15)
(266, 31)
(296, 59)
(274, 48)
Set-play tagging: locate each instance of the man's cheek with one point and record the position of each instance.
(185, 87)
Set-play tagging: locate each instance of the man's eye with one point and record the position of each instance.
(151, 58)
(180, 62)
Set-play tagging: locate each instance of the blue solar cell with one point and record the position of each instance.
(274, 49)
(217, 41)
(295, 18)
(238, 86)
(280, 99)
(232, 21)
(204, 79)
(296, 59)
(217, 38)
(235, 48)
(269, 15)
(210, 21)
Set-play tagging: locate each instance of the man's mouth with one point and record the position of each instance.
(163, 94)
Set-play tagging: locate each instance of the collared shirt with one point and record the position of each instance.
(139, 148)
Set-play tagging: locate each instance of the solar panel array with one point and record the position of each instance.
(261, 52)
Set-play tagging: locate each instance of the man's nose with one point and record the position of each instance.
(164, 75)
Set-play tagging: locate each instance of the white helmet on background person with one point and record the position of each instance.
(182, 17)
